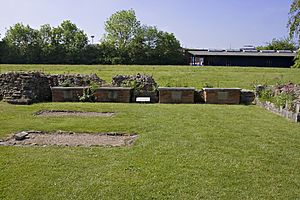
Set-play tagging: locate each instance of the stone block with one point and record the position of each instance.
(113, 94)
(21, 136)
(176, 95)
(66, 94)
(247, 97)
(153, 95)
(222, 95)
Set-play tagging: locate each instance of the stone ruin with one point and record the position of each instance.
(24, 87)
(281, 99)
(139, 81)
(142, 85)
(74, 80)
(31, 87)
(275, 90)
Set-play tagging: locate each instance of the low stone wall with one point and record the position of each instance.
(32, 87)
(176, 95)
(141, 82)
(113, 94)
(24, 87)
(143, 86)
(247, 97)
(293, 116)
(222, 95)
(152, 94)
(74, 80)
(67, 94)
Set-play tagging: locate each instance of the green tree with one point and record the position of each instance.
(1, 51)
(72, 38)
(121, 31)
(52, 49)
(169, 49)
(62, 44)
(159, 47)
(279, 44)
(127, 42)
(294, 26)
(294, 20)
(92, 54)
(23, 44)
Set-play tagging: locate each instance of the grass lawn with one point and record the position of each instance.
(183, 151)
(243, 77)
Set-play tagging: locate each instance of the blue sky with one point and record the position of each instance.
(196, 23)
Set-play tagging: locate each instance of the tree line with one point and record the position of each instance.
(280, 44)
(294, 26)
(126, 41)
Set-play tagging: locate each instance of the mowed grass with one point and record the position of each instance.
(183, 151)
(179, 76)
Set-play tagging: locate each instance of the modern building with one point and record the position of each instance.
(240, 57)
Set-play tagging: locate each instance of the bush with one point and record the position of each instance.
(266, 94)
(284, 100)
(89, 94)
(281, 95)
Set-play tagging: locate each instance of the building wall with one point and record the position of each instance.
(256, 61)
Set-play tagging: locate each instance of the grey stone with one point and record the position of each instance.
(279, 111)
(32, 87)
(140, 82)
(21, 136)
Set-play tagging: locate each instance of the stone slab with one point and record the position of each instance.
(222, 95)
(176, 95)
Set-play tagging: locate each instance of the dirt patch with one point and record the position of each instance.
(68, 113)
(62, 138)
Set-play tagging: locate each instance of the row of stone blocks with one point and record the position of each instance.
(165, 95)
(103, 94)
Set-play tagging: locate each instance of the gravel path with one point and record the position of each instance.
(66, 113)
(36, 138)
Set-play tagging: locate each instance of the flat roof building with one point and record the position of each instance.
(239, 57)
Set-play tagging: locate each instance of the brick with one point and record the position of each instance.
(113, 94)
(222, 95)
(176, 95)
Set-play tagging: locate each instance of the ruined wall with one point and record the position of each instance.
(74, 80)
(143, 86)
(32, 87)
(293, 116)
(24, 87)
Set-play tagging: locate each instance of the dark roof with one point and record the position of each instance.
(224, 53)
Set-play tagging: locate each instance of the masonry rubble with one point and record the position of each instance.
(31, 87)
(143, 85)
(291, 115)
(141, 81)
